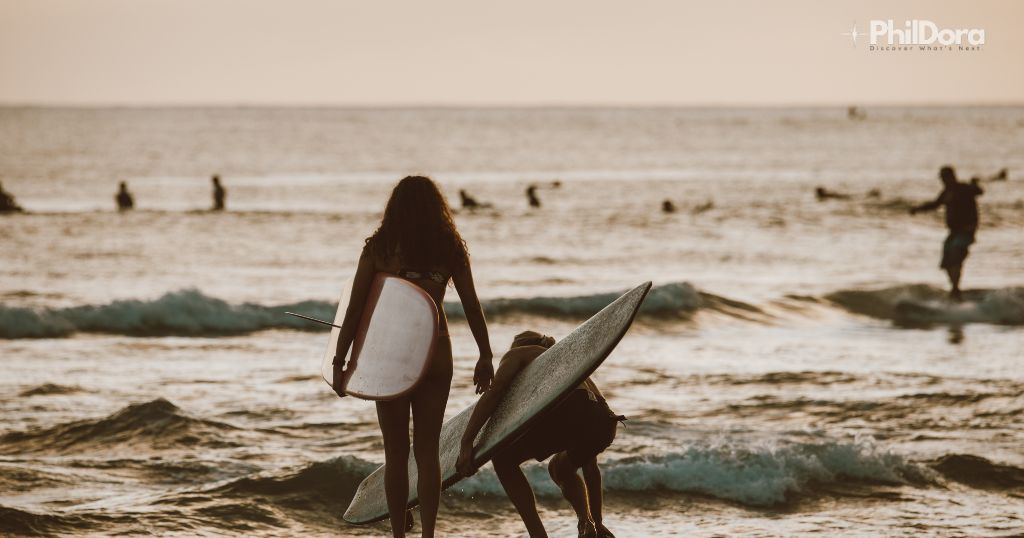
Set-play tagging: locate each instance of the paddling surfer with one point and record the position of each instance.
(7, 203)
(418, 241)
(574, 432)
(124, 198)
(960, 201)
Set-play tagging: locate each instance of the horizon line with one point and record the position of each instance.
(504, 105)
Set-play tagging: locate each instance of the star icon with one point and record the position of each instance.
(854, 34)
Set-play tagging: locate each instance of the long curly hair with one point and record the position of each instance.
(419, 228)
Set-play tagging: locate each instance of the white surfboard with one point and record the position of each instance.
(394, 340)
(538, 387)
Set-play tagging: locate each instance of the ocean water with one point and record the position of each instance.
(795, 370)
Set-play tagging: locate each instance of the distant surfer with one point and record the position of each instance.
(531, 196)
(470, 203)
(822, 194)
(574, 432)
(960, 201)
(417, 240)
(706, 206)
(667, 206)
(7, 203)
(219, 194)
(124, 198)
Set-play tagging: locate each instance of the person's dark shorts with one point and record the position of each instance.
(954, 249)
(580, 426)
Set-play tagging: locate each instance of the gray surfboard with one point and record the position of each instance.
(540, 386)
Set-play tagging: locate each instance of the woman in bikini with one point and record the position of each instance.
(417, 240)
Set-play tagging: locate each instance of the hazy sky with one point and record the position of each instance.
(582, 52)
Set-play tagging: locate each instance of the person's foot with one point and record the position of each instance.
(409, 520)
(955, 295)
(603, 532)
(587, 529)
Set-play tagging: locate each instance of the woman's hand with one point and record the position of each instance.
(464, 465)
(339, 374)
(483, 374)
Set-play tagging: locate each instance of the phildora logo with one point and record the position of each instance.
(917, 34)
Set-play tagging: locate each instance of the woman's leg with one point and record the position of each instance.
(393, 417)
(428, 403)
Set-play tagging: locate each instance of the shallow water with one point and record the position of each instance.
(776, 381)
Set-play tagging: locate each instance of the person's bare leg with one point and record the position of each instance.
(563, 473)
(954, 281)
(518, 489)
(393, 417)
(428, 403)
(595, 495)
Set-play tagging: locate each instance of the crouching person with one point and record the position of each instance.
(574, 432)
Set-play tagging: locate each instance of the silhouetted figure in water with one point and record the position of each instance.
(470, 203)
(572, 434)
(706, 206)
(124, 198)
(531, 196)
(822, 194)
(874, 194)
(668, 207)
(855, 113)
(7, 203)
(218, 194)
(960, 201)
(556, 184)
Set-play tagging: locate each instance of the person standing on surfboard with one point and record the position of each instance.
(960, 200)
(575, 432)
(219, 194)
(418, 241)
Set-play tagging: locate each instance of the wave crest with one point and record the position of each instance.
(192, 313)
(156, 423)
(749, 474)
(979, 472)
(921, 304)
(678, 299)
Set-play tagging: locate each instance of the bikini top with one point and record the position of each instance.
(435, 276)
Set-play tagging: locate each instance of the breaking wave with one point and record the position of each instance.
(156, 424)
(668, 300)
(923, 305)
(191, 313)
(751, 475)
(180, 313)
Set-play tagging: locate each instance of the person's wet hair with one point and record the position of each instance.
(418, 223)
(532, 338)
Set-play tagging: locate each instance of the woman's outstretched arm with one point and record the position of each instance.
(484, 371)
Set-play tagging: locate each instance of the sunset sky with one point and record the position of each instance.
(469, 52)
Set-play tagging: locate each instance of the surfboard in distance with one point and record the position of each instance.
(538, 387)
(394, 341)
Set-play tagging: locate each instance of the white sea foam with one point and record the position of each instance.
(752, 474)
(192, 313)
